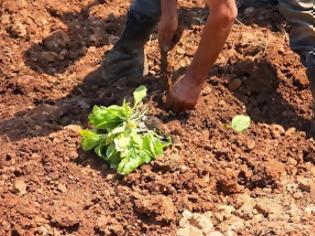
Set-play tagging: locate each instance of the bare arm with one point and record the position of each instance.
(215, 34)
(186, 90)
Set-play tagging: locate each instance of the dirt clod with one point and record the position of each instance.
(19, 187)
(62, 188)
(305, 184)
(159, 207)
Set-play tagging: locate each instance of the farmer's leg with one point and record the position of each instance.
(300, 15)
(127, 57)
(142, 17)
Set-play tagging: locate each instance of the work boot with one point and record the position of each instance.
(127, 58)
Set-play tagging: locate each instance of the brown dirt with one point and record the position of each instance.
(257, 183)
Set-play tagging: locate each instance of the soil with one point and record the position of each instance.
(212, 181)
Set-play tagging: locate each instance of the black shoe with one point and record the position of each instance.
(127, 58)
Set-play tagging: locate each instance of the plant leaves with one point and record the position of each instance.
(109, 117)
(89, 139)
(241, 123)
(139, 94)
(119, 136)
(136, 158)
(121, 143)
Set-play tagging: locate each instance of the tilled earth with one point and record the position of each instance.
(212, 181)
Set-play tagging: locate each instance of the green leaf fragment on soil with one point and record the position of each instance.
(241, 123)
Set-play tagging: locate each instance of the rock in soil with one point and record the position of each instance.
(158, 207)
(19, 187)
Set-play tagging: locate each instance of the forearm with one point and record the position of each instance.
(215, 34)
(169, 8)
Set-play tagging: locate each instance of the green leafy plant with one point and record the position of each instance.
(240, 123)
(120, 137)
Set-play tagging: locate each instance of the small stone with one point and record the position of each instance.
(246, 210)
(183, 222)
(101, 221)
(19, 187)
(298, 195)
(42, 231)
(310, 210)
(292, 161)
(243, 199)
(183, 169)
(235, 223)
(180, 51)
(204, 222)
(258, 218)
(110, 176)
(296, 219)
(235, 84)
(304, 184)
(268, 207)
(226, 210)
(62, 188)
(5, 19)
(251, 144)
(74, 128)
(294, 210)
(5, 225)
(291, 188)
(39, 220)
(277, 130)
(18, 30)
(186, 214)
(290, 131)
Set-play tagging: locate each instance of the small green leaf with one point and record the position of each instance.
(139, 94)
(241, 123)
(133, 161)
(121, 143)
(99, 151)
(109, 117)
(89, 139)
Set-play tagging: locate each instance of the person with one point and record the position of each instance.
(127, 58)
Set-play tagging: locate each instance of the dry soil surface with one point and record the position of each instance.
(212, 181)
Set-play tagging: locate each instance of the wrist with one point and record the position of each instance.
(197, 78)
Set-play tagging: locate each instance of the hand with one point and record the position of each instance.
(184, 94)
(166, 31)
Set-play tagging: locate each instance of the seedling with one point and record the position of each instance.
(240, 123)
(120, 136)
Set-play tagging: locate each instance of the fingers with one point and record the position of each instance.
(177, 106)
